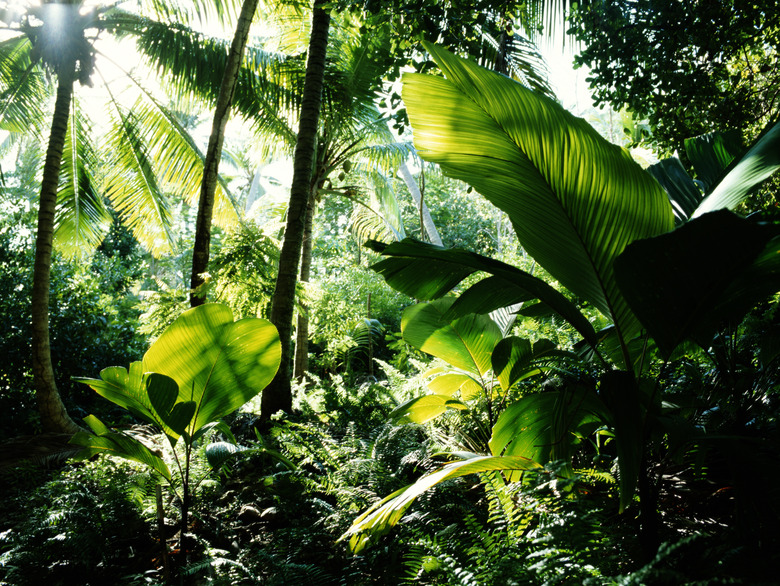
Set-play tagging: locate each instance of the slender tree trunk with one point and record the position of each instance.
(425, 214)
(200, 252)
(54, 417)
(278, 394)
(302, 331)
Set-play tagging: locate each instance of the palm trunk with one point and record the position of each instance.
(302, 331)
(200, 252)
(278, 394)
(54, 417)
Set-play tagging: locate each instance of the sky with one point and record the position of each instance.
(569, 83)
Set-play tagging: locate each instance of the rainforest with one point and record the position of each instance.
(355, 292)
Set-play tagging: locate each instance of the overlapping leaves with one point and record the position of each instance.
(203, 367)
(575, 200)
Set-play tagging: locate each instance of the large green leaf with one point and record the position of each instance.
(542, 426)
(515, 359)
(425, 271)
(712, 153)
(747, 174)
(124, 387)
(684, 194)
(116, 444)
(686, 283)
(150, 396)
(575, 200)
(217, 363)
(163, 393)
(452, 381)
(385, 514)
(466, 343)
(425, 408)
(421, 270)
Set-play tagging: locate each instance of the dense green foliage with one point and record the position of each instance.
(581, 386)
(94, 319)
(687, 67)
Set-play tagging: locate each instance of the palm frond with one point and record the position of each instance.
(375, 213)
(384, 199)
(23, 88)
(204, 12)
(353, 75)
(179, 161)
(131, 185)
(385, 157)
(192, 64)
(189, 60)
(82, 219)
(366, 224)
(517, 57)
(292, 23)
(548, 16)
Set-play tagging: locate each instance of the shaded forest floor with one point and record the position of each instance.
(274, 515)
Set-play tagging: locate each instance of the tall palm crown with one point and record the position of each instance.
(56, 31)
(149, 153)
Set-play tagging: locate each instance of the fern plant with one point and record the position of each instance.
(80, 527)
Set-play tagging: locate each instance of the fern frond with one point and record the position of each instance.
(597, 476)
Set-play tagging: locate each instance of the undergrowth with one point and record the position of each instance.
(273, 514)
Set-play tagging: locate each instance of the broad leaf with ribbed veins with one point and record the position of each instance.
(575, 200)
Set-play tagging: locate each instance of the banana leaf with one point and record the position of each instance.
(575, 200)
(425, 271)
(686, 284)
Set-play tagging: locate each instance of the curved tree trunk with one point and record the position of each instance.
(200, 252)
(425, 214)
(54, 417)
(302, 331)
(278, 394)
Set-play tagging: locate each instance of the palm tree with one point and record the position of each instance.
(200, 253)
(60, 44)
(278, 395)
(58, 38)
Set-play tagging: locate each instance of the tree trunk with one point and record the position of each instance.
(425, 214)
(302, 331)
(54, 417)
(200, 251)
(278, 394)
